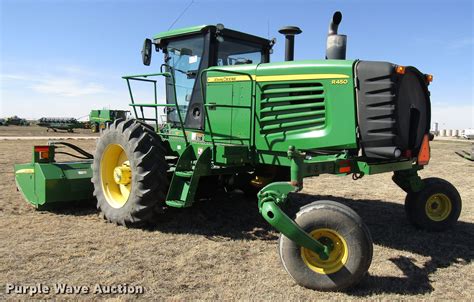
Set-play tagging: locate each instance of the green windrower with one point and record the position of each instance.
(234, 120)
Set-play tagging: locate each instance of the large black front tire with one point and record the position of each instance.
(349, 259)
(134, 146)
(436, 207)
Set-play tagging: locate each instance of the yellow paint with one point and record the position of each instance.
(123, 174)
(115, 192)
(337, 257)
(278, 78)
(301, 77)
(438, 207)
(25, 171)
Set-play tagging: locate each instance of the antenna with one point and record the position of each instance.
(268, 29)
(180, 15)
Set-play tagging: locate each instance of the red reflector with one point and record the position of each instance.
(424, 154)
(344, 169)
(41, 148)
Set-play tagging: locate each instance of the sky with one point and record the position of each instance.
(64, 58)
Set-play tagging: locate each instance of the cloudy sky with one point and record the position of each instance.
(63, 58)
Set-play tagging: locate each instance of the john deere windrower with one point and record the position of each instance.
(234, 119)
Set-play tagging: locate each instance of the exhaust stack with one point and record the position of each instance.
(336, 44)
(290, 32)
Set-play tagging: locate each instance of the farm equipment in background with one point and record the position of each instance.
(236, 120)
(468, 133)
(99, 119)
(59, 123)
(467, 155)
(16, 121)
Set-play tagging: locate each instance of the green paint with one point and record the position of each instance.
(186, 176)
(297, 114)
(45, 182)
(180, 32)
(104, 116)
(409, 180)
(270, 197)
(376, 168)
(305, 113)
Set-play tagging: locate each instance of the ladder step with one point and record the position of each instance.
(177, 204)
(185, 174)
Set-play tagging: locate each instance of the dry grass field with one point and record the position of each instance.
(221, 249)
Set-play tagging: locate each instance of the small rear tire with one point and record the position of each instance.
(349, 260)
(436, 207)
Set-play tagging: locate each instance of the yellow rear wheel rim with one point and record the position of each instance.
(116, 190)
(438, 207)
(337, 257)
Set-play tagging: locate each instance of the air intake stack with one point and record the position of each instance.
(290, 32)
(336, 44)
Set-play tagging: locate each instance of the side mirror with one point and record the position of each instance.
(146, 52)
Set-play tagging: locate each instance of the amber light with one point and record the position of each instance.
(400, 69)
(429, 78)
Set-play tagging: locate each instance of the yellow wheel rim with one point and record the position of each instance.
(438, 207)
(337, 257)
(115, 175)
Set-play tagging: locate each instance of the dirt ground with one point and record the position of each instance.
(221, 249)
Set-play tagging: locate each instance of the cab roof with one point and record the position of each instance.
(202, 28)
(181, 32)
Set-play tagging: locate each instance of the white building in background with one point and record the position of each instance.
(446, 132)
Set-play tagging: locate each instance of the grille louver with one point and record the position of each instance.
(286, 107)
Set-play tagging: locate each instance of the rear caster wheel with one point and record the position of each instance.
(436, 207)
(339, 227)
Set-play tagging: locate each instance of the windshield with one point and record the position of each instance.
(184, 56)
(235, 52)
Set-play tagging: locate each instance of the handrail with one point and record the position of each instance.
(143, 77)
(252, 107)
(227, 106)
(152, 105)
(165, 74)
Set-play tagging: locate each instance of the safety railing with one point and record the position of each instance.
(212, 105)
(155, 105)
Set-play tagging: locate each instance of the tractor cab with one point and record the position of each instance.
(191, 50)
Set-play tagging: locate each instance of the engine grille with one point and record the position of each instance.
(287, 107)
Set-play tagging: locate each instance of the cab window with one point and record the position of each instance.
(236, 52)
